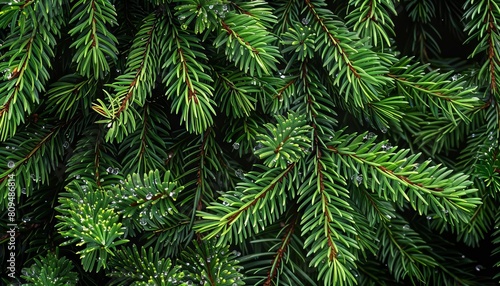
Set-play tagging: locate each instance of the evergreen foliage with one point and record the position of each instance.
(214, 142)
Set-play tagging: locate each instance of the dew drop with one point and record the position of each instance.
(236, 146)
(65, 144)
(257, 147)
(428, 217)
(239, 173)
(305, 21)
(359, 178)
(149, 196)
(11, 164)
(406, 227)
(479, 267)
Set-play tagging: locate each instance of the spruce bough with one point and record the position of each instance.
(199, 142)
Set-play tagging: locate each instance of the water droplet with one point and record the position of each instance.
(257, 147)
(428, 217)
(109, 170)
(473, 135)
(149, 196)
(359, 178)
(65, 144)
(479, 267)
(386, 146)
(77, 177)
(110, 124)
(11, 164)
(305, 21)
(26, 219)
(406, 227)
(384, 129)
(236, 146)
(23, 191)
(239, 173)
(463, 256)
(210, 6)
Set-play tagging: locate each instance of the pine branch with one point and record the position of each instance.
(26, 64)
(94, 43)
(136, 267)
(483, 27)
(372, 19)
(345, 58)
(240, 32)
(188, 82)
(434, 91)
(50, 270)
(145, 148)
(211, 264)
(404, 250)
(427, 188)
(133, 86)
(87, 220)
(231, 218)
(93, 160)
(35, 154)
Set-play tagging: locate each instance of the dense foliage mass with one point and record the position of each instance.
(288, 142)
